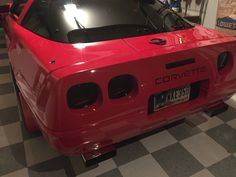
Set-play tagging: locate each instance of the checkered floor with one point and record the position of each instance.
(198, 147)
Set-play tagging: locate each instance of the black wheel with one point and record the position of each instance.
(24, 110)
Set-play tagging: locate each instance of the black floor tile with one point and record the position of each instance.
(56, 173)
(79, 166)
(3, 45)
(4, 69)
(9, 115)
(177, 161)
(228, 115)
(225, 136)
(29, 135)
(12, 158)
(6, 88)
(224, 168)
(183, 131)
(3, 56)
(112, 173)
(195, 120)
(56, 167)
(129, 152)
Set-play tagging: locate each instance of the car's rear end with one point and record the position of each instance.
(104, 71)
(113, 96)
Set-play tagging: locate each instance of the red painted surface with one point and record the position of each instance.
(44, 86)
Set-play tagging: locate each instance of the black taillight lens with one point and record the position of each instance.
(82, 95)
(121, 86)
(223, 60)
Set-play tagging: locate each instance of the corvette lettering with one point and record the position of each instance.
(173, 77)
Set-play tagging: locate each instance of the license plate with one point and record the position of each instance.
(172, 97)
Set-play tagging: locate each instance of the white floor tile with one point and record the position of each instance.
(20, 173)
(158, 141)
(232, 101)
(203, 173)
(145, 166)
(205, 149)
(10, 134)
(232, 123)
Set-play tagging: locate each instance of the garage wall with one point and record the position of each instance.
(210, 12)
(210, 15)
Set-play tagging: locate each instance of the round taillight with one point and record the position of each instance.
(223, 60)
(82, 95)
(121, 86)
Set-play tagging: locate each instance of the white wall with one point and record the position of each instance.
(209, 19)
(211, 12)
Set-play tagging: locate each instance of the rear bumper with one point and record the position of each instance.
(124, 126)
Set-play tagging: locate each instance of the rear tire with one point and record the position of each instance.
(24, 110)
(27, 115)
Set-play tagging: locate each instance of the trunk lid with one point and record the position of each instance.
(195, 34)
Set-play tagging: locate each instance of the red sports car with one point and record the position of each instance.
(92, 73)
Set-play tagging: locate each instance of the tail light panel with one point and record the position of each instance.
(225, 62)
(82, 95)
(121, 86)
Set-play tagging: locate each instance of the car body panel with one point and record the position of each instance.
(45, 70)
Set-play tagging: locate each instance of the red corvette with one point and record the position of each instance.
(92, 73)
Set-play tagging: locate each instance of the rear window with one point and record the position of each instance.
(81, 21)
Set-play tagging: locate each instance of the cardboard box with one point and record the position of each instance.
(226, 16)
